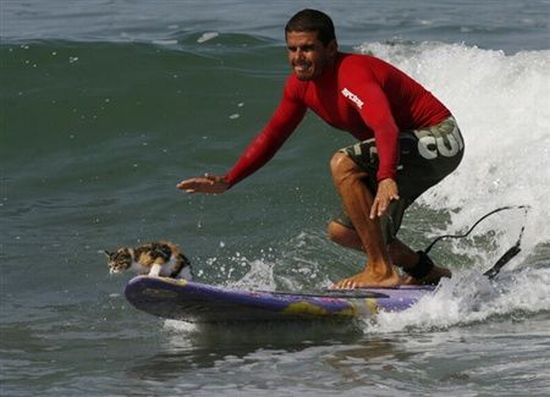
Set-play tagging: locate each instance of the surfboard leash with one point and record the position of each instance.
(507, 256)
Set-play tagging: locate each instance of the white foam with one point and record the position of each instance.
(179, 326)
(259, 276)
(469, 298)
(207, 36)
(181, 334)
(503, 108)
(165, 42)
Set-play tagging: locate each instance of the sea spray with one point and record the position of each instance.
(470, 298)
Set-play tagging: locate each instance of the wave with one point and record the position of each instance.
(469, 298)
(501, 103)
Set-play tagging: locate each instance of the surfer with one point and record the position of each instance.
(407, 142)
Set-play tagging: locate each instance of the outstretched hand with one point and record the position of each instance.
(386, 193)
(209, 184)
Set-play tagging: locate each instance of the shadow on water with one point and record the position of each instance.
(331, 354)
(191, 347)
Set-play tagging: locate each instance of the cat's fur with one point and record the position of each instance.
(160, 259)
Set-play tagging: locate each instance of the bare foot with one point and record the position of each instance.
(432, 278)
(368, 278)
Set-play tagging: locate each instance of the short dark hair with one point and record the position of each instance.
(309, 20)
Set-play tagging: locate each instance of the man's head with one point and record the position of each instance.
(311, 43)
(312, 21)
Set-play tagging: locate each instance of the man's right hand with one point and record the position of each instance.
(209, 184)
(386, 193)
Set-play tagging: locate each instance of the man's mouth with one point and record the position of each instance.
(302, 67)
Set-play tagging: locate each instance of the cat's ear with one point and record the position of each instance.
(109, 254)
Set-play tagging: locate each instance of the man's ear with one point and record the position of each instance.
(332, 47)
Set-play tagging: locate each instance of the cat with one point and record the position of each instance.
(159, 259)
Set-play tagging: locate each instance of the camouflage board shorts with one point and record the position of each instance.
(426, 156)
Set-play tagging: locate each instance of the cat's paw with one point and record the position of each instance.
(155, 270)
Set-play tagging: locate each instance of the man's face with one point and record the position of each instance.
(307, 55)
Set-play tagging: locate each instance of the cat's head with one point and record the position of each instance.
(119, 260)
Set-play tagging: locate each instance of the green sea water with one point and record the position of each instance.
(99, 121)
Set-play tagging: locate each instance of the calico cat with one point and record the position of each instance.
(160, 259)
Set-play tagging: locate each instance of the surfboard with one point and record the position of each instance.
(195, 302)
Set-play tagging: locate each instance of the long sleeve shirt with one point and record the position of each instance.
(360, 94)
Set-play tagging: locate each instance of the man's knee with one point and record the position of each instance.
(343, 235)
(342, 166)
(340, 162)
(334, 231)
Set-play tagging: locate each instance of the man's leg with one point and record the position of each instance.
(357, 200)
(400, 253)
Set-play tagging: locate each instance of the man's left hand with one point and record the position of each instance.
(210, 184)
(386, 193)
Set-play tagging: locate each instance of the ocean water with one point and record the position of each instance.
(106, 105)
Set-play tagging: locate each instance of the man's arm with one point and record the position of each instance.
(379, 118)
(376, 113)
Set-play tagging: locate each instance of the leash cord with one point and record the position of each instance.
(447, 236)
(508, 255)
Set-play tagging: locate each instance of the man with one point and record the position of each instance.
(408, 142)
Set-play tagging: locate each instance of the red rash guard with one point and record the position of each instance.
(360, 94)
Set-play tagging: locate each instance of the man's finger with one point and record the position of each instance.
(189, 184)
(374, 209)
(382, 209)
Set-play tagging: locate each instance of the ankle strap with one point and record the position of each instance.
(422, 267)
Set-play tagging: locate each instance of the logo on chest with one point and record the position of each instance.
(352, 97)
